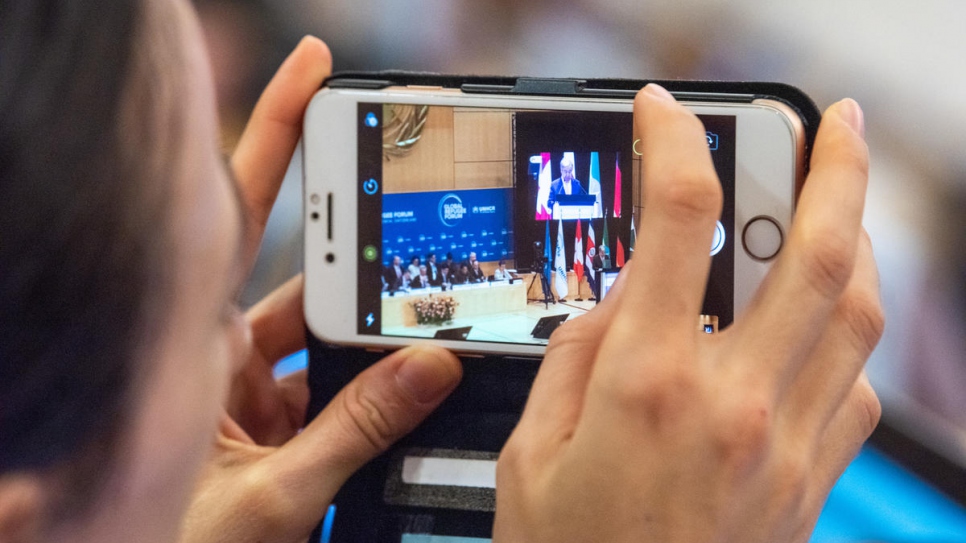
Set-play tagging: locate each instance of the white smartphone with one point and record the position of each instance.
(481, 221)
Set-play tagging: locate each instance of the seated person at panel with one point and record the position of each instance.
(445, 277)
(462, 276)
(421, 280)
(407, 281)
(501, 273)
(450, 263)
(413, 266)
(476, 274)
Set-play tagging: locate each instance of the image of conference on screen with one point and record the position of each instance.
(484, 240)
(567, 190)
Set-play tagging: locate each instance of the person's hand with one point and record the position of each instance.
(271, 411)
(640, 427)
(253, 492)
(266, 480)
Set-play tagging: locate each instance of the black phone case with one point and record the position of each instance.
(479, 416)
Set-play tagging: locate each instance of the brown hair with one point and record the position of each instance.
(86, 155)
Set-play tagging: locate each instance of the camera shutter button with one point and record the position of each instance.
(762, 238)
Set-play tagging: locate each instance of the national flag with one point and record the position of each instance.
(569, 156)
(620, 253)
(560, 265)
(578, 256)
(604, 249)
(633, 235)
(617, 188)
(544, 180)
(588, 258)
(593, 183)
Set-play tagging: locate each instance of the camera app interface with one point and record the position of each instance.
(498, 225)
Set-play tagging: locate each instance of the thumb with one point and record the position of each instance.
(379, 406)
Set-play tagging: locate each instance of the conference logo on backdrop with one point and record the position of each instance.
(451, 209)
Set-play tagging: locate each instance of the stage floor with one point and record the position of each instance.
(508, 327)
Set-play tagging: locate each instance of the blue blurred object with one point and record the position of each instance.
(327, 523)
(291, 364)
(878, 500)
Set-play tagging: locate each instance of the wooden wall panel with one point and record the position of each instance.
(429, 166)
(481, 175)
(481, 136)
(460, 149)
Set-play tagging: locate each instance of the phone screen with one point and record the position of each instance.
(498, 225)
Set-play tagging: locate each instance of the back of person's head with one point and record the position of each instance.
(83, 234)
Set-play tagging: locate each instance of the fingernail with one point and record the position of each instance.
(852, 114)
(307, 38)
(425, 375)
(659, 92)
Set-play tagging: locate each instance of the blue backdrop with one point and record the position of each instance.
(456, 221)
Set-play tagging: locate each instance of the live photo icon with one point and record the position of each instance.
(708, 324)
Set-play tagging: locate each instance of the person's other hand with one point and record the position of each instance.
(266, 480)
(253, 492)
(272, 411)
(640, 427)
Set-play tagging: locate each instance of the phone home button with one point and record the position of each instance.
(762, 238)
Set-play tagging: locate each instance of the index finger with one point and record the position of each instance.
(268, 142)
(682, 201)
(377, 408)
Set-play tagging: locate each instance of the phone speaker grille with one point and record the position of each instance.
(328, 216)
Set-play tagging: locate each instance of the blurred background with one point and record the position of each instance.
(905, 64)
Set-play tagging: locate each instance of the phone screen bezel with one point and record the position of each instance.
(768, 170)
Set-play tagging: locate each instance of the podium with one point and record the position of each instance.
(576, 206)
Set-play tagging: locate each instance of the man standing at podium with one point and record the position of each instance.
(565, 184)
